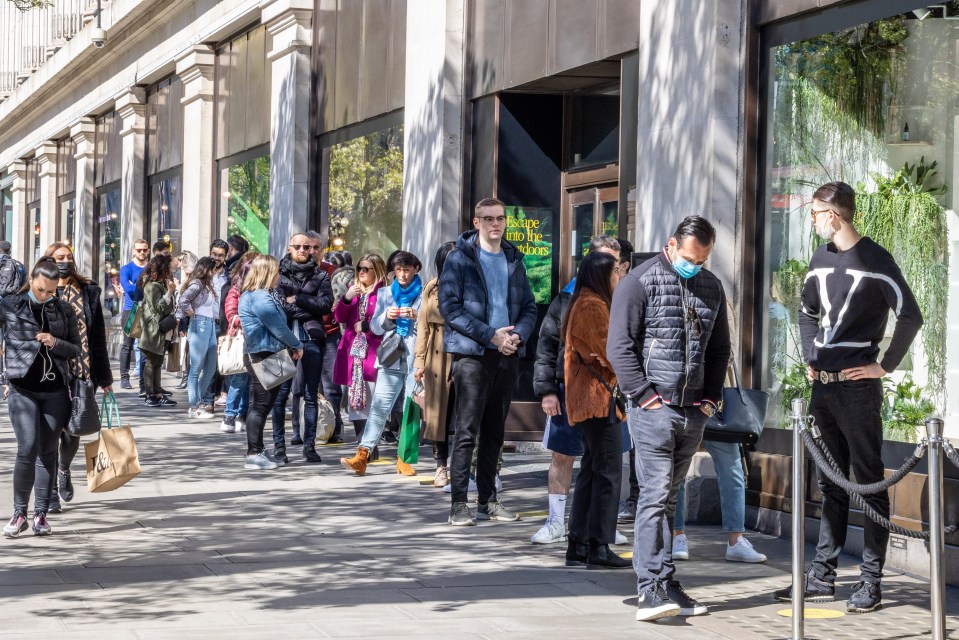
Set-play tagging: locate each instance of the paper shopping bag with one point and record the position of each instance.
(112, 459)
(408, 448)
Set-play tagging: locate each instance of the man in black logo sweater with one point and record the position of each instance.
(851, 286)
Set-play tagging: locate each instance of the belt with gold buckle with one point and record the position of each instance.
(826, 377)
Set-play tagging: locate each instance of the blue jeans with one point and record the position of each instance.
(311, 364)
(665, 440)
(202, 340)
(727, 459)
(238, 396)
(390, 383)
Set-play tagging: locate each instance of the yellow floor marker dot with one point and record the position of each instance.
(532, 514)
(628, 555)
(813, 614)
(425, 480)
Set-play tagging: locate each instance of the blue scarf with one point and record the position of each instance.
(405, 298)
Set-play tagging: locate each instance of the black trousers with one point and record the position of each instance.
(596, 495)
(37, 418)
(261, 405)
(484, 389)
(849, 417)
(126, 349)
(152, 372)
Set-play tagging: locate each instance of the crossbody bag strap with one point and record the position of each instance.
(595, 373)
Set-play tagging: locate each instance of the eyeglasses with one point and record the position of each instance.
(692, 318)
(304, 247)
(363, 269)
(142, 250)
(492, 219)
(815, 212)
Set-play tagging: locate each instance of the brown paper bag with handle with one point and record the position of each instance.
(112, 459)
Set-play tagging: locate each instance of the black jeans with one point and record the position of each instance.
(68, 449)
(311, 364)
(849, 417)
(484, 389)
(592, 518)
(126, 349)
(152, 371)
(261, 403)
(332, 391)
(37, 418)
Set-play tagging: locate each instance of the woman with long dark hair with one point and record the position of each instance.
(199, 305)
(238, 391)
(590, 381)
(158, 289)
(83, 296)
(40, 338)
(432, 368)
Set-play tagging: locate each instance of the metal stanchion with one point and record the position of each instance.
(937, 576)
(798, 507)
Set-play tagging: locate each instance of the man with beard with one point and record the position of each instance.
(305, 286)
(851, 286)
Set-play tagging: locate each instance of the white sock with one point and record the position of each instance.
(557, 507)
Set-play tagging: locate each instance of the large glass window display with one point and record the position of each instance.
(873, 105)
(366, 192)
(246, 196)
(109, 259)
(166, 209)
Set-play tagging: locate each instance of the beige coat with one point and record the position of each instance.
(430, 356)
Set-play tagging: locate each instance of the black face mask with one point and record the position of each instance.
(65, 269)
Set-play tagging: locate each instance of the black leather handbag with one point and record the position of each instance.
(84, 412)
(741, 415)
(391, 349)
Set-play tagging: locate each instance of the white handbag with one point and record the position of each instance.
(229, 353)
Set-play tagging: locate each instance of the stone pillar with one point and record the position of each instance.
(690, 129)
(83, 133)
(433, 125)
(18, 231)
(289, 24)
(46, 155)
(195, 68)
(131, 105)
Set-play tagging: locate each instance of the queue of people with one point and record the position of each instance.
(629, 360)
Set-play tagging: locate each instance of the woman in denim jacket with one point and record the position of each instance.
(397, 308)
(265, 332)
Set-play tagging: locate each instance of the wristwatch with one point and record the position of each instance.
(708, 409)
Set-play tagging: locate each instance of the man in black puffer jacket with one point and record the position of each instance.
(306, 287)
(669, 346)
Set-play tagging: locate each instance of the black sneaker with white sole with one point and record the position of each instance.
(816, 590)
(654, 604)
(866, 597)
(687, 605)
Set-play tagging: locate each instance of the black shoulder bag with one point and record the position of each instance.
(741, 414)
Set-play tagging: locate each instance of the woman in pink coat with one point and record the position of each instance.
(355, 364)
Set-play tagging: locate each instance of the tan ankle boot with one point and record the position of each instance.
(404, 469)
(358, 462)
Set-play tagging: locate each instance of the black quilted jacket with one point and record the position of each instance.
(19, 331)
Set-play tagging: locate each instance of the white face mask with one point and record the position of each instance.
(826, 232)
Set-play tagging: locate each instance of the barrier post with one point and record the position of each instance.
(937, 576)
(799, 514)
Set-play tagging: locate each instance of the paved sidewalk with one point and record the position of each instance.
(196, 547)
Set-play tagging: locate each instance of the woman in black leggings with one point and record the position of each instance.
(83, 295)
(40, 337)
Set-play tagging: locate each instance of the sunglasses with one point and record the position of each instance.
(304, 247)
(363, 269)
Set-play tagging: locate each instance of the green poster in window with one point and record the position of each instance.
(530, 229)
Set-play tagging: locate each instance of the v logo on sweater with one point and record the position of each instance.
(830, 328)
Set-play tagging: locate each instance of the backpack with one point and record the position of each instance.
(12, 276)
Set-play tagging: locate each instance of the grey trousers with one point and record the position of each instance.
(665, 440)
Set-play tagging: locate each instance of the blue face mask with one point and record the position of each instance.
(686, 269)
(34, 298)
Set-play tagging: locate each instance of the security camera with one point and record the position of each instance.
(99, 37)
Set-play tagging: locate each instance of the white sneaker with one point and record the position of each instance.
(742, 551)
(472, 484)
(228, 425)
(620, 539)
(240, 423)
(259, 461)
(471, 487)
(551, 531)
(681, 547)
(198, 414)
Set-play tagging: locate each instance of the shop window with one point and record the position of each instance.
(109, 259)
(366, 193)
(7, 201)
(594, 130)
(166, 209)
(246, 201)
(68, 208)
(874, 106)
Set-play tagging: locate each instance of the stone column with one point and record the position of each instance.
(289, 24)
(83, 133)
(690, 129)
(46, 155)
(195, 68)
(433, 125)
(131, 105)
(18, 193)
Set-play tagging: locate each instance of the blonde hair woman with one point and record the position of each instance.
(265, 332)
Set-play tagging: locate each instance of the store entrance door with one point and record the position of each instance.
(590, 211)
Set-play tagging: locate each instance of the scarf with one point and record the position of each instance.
(358, 352)
(405, 298)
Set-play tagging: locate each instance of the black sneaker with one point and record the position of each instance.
(310, 455)
(65, 485)
(335, 440)
(687, 606)
(151, 402)
(164, 392)
(816, 590)
(460, 515)
(576, 554)
(866, 597)
(142, 394)
(54, 505)
(125, 384)
(40, 525)
(296, 440)
(278, 456)
(166, 402)
(389, 437)
(654, 603)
